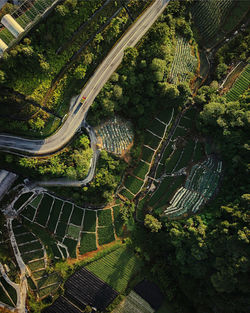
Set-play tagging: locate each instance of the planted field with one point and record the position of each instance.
(209, 17)
(10, 290)
(177, 182)
(186, 156)
(141, 170)
(186, 122)
(240, 86)
(36, 201)
(83, 287)
(54, 214)
(22, 199)
(173, 160)
(127, 194)
(116, 135)
(87, 243)
(157, 128)
(179, 132)
(166, 115)
(77, 216)
(151, 140)
(66, 211)
(73, 231)
(61, 229)
(33, 255)
(29, 212)
(198, 152)
(105, 235)
(26, 237)
(147, 154)
(184, 62)
(89, 223)
(104, 217)
(116, 268)
(71, 245)
(34, 266)
(161, 190)
(62, 305)
(30, 246)
(4, 298)
(118, 221)
(133, 184)
(44, 209)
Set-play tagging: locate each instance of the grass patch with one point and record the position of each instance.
(88, 243)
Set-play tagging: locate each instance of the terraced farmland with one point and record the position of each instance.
(184, 63)
(116, 268)
(116, 135)
(34, 255)
(209, 17)
(200, 186)
(71, 227)
(240, 86)
(154, 136)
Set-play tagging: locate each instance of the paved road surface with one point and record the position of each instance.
(78, 112)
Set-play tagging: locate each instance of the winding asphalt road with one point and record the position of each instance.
(79, 111)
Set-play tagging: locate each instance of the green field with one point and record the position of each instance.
(118, 221)
(44, 209)
(71, 245)
(133, 184)
(116, 268)
(89, 223)
(29, 212)
(198, 152)
(87, 243)
(105, 235)
(157, 128)
(125, 193)
(77, 216)
(186, 156)
(240, 86)
(104, 217)
(171, 162)
(151, 140)
(36, 201)
(54, 215)
(66, 211)
(141, 170)
(73, 231)
(147, 154)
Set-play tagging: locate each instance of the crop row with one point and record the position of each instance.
(240, 86)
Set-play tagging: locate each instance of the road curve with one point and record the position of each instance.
(78, 112)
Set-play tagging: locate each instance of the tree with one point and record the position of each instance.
(2, 77)
(130, 55)
(117, 92)
(152, 223)
(221, 70)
